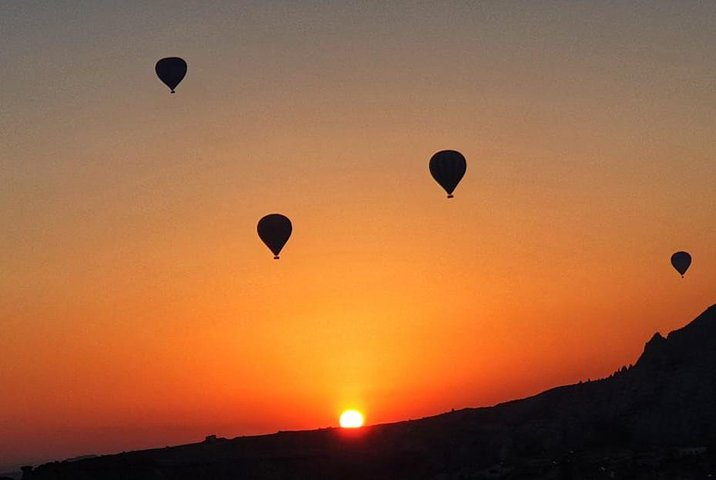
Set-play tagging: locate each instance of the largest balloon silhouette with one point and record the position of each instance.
(681, 261)
(447, 168)
(171, 71)
(274, 230)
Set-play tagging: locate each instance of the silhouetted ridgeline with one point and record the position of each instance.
(649, 421)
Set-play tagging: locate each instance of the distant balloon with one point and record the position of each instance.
(447, 168)
(171, 71)
(274, 230)
(681, 262)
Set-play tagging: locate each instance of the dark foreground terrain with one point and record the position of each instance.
(655, 420)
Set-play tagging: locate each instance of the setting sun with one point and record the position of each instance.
(351, 419)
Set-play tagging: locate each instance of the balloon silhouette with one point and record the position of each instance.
(274, 230)
(171, 71)
(447, 168)
(681, 262)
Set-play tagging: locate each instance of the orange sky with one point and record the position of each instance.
(138, 308)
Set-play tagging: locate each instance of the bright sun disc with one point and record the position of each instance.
(351, 419)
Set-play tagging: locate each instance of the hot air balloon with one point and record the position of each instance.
(171, 71)
(681, 262)
(447, 168)
(274, 230)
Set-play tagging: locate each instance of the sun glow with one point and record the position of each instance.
(351, 419)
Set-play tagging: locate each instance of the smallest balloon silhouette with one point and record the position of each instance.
(447, 168)
(274, 230)
(171, 71)
(681, 261)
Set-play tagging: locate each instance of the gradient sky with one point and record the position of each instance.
(138, 307)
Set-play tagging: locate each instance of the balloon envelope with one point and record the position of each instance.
(171, 71)
(681, 262)
(447, 168)
(274, 230)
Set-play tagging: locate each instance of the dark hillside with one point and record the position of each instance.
(656, 417)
